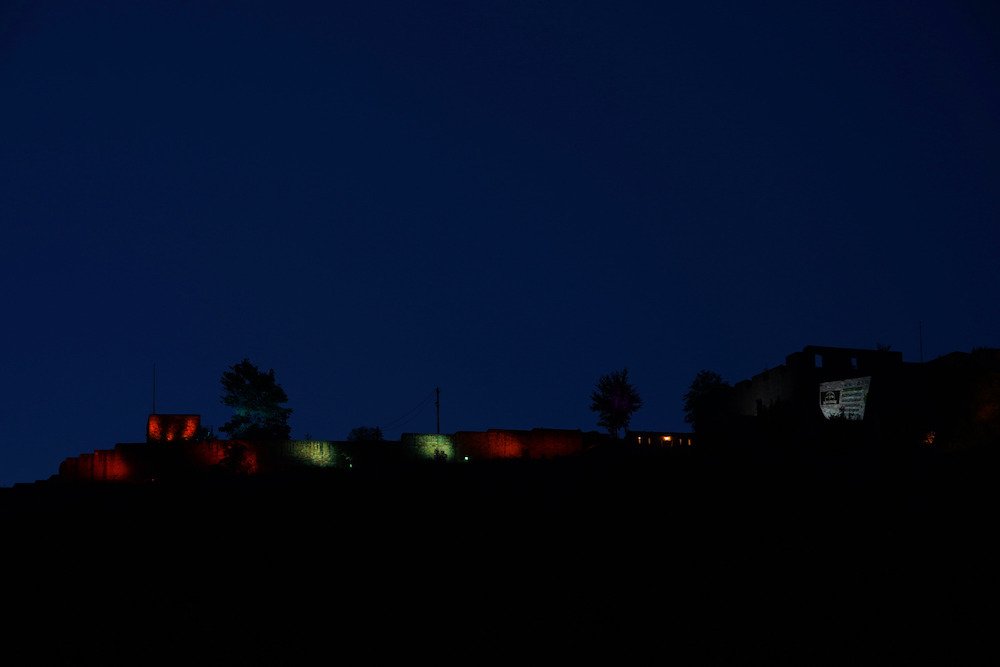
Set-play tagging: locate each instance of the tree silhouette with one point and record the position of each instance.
(615, 399)
(706, 403)
(256, 400)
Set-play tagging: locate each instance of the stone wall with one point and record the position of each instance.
(538, 443)
(141, 462)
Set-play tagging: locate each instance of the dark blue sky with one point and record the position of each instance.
(503, 199)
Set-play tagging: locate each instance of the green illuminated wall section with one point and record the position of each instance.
(430, 446)
(313, 453)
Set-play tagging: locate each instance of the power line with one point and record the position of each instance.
(411, 414)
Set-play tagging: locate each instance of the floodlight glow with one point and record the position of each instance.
(316, 453)
(168, 428)
(434, 445)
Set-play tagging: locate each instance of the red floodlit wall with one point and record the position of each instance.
(538, 443)
(172, 428)
(110, 466)
(241, 455)
(104, 465)
(205, 454)
(143, 462)
(551, 443)
(138, 462)
(491, 444)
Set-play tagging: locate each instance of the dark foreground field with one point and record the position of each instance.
(640, 558)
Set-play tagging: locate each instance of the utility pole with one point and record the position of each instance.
(154, 389)
(437, 407)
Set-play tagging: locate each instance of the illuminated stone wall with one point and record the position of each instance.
(172, 428)
(428, 446)
(485, 445)
(554, 443)
(138, 462)
(272, 456)
(304, 453)
(204, 454)
(538, 443)
(103, 465)
(127, 462)
(795, 383)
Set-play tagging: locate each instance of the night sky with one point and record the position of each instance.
(505, 200)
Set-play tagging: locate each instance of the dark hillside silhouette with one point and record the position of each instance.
(625, 554)
(802, 539)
